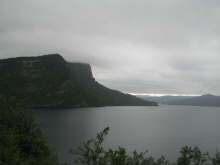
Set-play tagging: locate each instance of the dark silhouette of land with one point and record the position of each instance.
(50, 82)
(204, 100)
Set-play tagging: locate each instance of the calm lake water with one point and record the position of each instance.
(161, 130)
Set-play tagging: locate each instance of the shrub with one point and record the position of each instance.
(21, 141)
(92, 152)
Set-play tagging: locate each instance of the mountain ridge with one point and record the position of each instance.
(203, 100)
(49, 81)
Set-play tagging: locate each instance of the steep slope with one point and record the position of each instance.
(50, 82)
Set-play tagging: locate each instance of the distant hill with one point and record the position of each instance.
(204, 100)
(50, 82)
(164, 99)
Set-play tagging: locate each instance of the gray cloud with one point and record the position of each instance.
(141, 46)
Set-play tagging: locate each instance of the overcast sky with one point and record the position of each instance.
(137, 46)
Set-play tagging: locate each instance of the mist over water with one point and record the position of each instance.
(161, 130)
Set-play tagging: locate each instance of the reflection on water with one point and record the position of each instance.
(161, 130)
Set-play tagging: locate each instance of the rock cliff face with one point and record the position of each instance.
(50, 82)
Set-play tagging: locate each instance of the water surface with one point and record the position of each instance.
(161, 130)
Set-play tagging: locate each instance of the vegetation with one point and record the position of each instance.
(92, 152)
(50, 82)
(21, 141)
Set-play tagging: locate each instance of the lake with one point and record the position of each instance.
(161, 130)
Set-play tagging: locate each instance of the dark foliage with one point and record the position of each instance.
(21, 141)
(92, 152)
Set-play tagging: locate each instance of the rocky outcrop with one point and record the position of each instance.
(50, 82)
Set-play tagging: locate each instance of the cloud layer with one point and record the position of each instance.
(140, 46)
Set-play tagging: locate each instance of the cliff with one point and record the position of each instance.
(50, 82)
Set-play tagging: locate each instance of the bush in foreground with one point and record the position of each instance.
(21, 141)
(92, 152)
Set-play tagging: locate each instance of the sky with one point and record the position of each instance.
(136, 46)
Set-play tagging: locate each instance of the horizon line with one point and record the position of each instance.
(161, 94)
